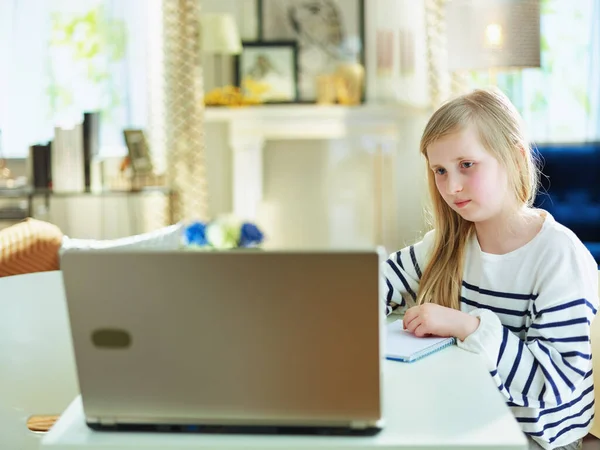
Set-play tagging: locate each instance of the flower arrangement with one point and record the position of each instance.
(222, 234)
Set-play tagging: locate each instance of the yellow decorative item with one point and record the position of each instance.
(250, 94)
(349, 83)
(326, 89)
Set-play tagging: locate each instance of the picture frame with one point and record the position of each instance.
(328, 32)
(273, 66)
(139, 153)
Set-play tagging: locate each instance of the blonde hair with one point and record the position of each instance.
(500, 131)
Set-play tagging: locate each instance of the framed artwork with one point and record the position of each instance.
(139, 154)
(271, 69)
(327, 32)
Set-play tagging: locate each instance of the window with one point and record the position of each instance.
(66, 57)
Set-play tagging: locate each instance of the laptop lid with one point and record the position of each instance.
(230, 338)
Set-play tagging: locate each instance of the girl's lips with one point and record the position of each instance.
(462, 204)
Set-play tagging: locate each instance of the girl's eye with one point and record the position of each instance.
(466, 164)
(440, 171)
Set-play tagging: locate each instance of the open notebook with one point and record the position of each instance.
(402, 345)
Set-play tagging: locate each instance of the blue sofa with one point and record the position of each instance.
(570, 189)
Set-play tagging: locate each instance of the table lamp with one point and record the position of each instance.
(492, 34)
(219, 36)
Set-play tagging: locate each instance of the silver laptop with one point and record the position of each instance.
(227, 341)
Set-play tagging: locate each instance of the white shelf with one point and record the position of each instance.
(311, 112)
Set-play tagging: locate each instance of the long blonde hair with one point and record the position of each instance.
(500, 131)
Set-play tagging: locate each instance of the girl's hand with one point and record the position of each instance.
(436, 320)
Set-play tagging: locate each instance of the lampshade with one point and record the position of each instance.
(219, 34)
(488, 34)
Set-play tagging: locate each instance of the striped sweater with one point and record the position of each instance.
(535, 306)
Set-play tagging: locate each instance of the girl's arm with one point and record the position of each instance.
(555, 357)
(402, 273)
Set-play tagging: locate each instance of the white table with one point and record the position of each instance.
(447, 400)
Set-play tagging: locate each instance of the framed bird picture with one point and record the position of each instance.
(271, 67)
(327, 32)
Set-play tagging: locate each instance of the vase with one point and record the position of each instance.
(350, 79)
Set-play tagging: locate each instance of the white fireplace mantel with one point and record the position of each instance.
(375, 126)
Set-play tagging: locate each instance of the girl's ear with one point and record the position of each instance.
(521, 149)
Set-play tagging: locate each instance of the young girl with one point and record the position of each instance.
(507, 280)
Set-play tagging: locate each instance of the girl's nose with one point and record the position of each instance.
(454, 185)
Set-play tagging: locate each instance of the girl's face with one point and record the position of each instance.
(469, 179)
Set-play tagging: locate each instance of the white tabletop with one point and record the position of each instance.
(446, 400)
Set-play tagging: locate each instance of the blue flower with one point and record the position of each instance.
(195, 234)
(250, 235)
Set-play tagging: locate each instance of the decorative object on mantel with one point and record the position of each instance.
(219, 37)
(321, 28)
(249, 93)
(350, 74)
(326, 89)
(272, 68)
(223, 233)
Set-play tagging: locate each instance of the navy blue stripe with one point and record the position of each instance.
(553, 424)
(558, 371)
(541, 397)
(581, 301)
(509, 312)
(581, 355)
(574, 369)
(558, 408)
(534, 367)
(493, 372)
(404, 282)
(515, 366)
(390, 292)
(413, 257)
(552, 385)
(399, 259)
(569, 339)
(516, 329)
(564, 361)
(500, 294)
(572, 427)
(503, 345)
(501, 387)
(564, 323)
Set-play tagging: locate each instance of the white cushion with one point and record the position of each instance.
(167, 238)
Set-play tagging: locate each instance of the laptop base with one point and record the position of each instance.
(238, 429)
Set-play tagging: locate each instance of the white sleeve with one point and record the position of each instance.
(545, 368)
(402, 273)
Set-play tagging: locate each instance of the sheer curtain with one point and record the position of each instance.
(64, 57)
